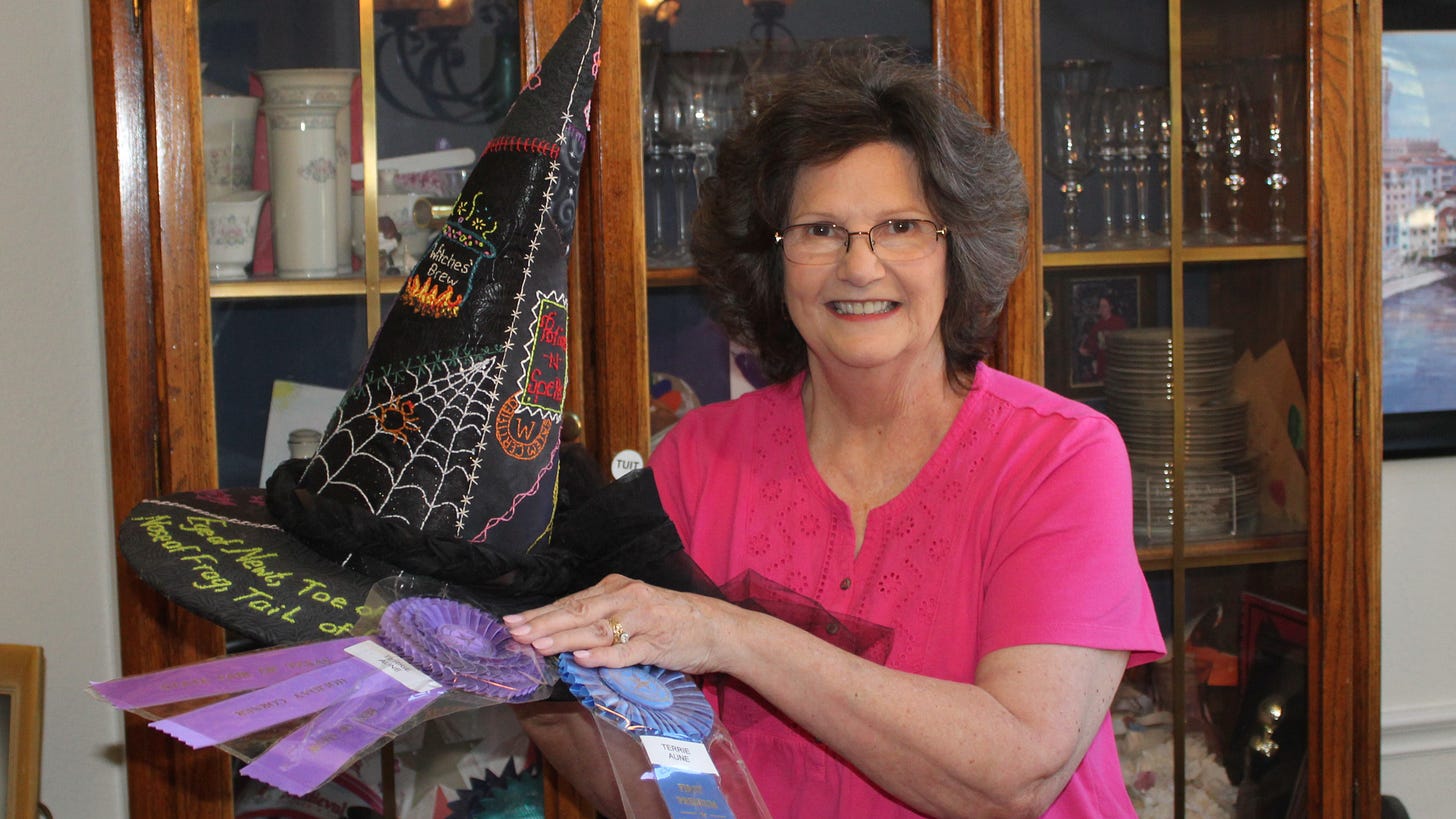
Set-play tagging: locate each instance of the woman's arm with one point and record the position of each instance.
(566, 735)
(1003, 747)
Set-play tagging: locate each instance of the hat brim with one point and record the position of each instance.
(221, 554)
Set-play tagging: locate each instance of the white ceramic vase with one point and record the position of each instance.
(302, 106)
(232, 228)
(228, 127)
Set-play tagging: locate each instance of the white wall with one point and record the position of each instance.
(1418, 632)
(57, 572)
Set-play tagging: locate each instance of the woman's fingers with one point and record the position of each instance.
(621, 622)
(581, 620)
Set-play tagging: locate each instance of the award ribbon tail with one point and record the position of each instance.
(225, 675)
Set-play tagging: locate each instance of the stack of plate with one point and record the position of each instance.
(1140, 365)
(1218, 502)
(1221, 486)
(1216, 432)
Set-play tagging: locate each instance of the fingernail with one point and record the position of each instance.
(512, 618)
(520, 630)
(543, 643)
(581, 653)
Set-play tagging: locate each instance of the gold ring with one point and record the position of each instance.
(619, 634)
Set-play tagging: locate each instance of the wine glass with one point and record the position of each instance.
(1107, 136)
(1202, 102)
(1143, 127)
(1275, 84)
(654, 163)
(711, 74)
(1068, 90)
(1234, 146)
(1160, 111)
(676, 103)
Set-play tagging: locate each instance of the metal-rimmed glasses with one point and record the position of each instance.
(893, 240)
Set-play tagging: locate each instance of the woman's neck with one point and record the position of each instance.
(871, 434)
(842, 405)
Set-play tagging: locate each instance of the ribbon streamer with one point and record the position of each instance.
(359, 691)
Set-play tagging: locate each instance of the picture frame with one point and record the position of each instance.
(1418, 269)
(1266, 754)
(22, 676)
(1085, 307)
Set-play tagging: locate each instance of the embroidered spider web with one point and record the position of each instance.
(407, 443)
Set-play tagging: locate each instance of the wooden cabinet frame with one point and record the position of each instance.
(160, 372)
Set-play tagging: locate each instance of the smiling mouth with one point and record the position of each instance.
(862, 308)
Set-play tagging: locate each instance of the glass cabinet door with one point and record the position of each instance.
(300, 99)
(1175, 275)
(294, 110)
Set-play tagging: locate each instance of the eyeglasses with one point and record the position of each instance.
(895, 240)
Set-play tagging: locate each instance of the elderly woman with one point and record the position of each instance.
(860, 237)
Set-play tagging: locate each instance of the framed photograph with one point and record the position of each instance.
(1418, 235)
(22, 676)
(1085, 309)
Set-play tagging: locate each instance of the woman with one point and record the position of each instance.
(860, 236)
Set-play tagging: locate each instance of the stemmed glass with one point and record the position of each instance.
(1163, 148)
(711, 77)
(1275, 84)
(676, 103)
(1142, 127)
(1068, 90)
(654, 165)
(1234, 144)
(1108, 147)
(1202, 102)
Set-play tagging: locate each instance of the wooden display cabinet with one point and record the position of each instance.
(1318, 295)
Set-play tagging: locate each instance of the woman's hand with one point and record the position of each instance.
(621, 622)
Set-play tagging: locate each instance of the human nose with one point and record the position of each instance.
(861, 266)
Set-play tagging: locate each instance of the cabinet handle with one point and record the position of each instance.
(136, 16)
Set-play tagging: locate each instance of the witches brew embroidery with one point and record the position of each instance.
(443, 279)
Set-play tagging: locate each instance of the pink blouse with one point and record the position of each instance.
(1018, 530)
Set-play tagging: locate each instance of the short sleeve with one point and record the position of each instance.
(1063, 568)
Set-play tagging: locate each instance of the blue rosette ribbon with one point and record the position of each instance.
(642, 699)
(670, 718)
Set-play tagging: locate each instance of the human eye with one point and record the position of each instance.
(901, 227)
(820, 230)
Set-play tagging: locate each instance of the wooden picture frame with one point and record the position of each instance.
(1418, 268)
(22, 677)
(1076, 332)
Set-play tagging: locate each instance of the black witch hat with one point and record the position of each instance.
(442, 458)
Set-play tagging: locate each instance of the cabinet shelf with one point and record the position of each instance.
(672, 276)
(299, 288)
(1278, 548)
(1163, 255)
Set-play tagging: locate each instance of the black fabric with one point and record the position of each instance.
(344, 531)
(224, 555)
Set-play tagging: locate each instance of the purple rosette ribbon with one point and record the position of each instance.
(641, 699)
(462, 647)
